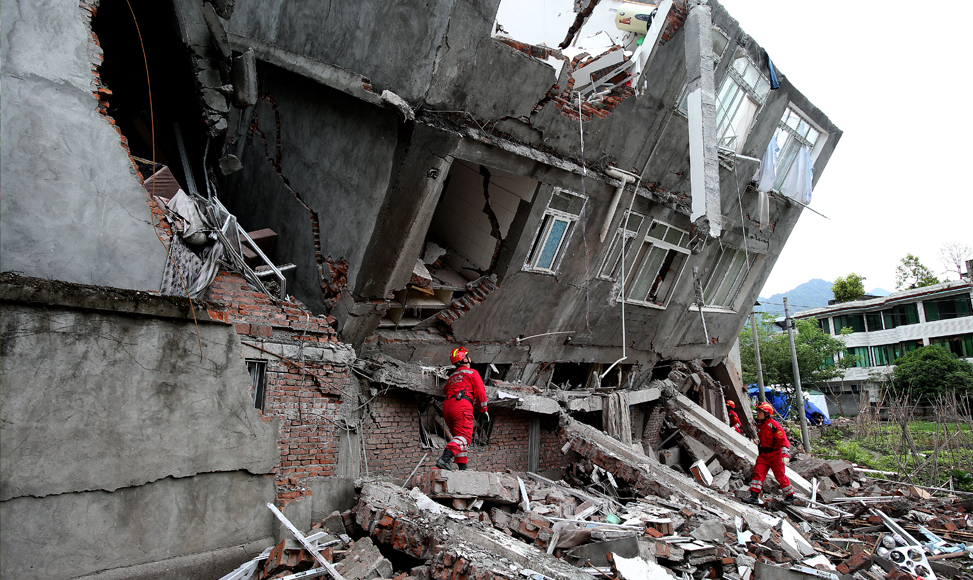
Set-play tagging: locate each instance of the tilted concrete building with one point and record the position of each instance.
(436, 174)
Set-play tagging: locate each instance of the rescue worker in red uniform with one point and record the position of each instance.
(464, 393)
(734, 418)
(775, 454)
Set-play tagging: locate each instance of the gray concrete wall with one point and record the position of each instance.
(72, 207)
(121, 444)
(75, 534)
(336, 158)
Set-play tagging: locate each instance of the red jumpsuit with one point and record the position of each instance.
(774, 447)
(464, 388)
(734, 420)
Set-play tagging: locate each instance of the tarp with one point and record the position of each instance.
(782, 407)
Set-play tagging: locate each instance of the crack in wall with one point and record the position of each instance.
(494, 222)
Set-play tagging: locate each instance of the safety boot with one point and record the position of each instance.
(754, 498)
(444, 460)
(789, 499)
(461, 466)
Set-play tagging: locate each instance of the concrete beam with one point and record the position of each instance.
(597, 402)
(704, 163)
(413, 524)
(645, 474)
(734, 450)
(495, 487)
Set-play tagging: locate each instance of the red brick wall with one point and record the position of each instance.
(391, 433)
(304, 397)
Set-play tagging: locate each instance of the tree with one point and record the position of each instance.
(929, 371)
(817, 354)
(953, 255)
(911, 274)
(846, 288)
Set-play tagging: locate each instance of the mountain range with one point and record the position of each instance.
(811, 294)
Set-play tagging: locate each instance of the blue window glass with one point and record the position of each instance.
(546, 258)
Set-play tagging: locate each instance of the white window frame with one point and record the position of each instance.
(732, 131)
(630, 236)
(735, 275)
(552, 216)
(788, 134)
(638, 269)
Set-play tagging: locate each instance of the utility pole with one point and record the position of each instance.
(789, 324)
(756, 352)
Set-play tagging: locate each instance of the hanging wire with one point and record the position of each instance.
(584, 232)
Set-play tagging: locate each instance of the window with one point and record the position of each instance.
(258, 382)
(901, 315)
(740, 96)
(720, 42)
(657, 265)
(793, 133)
(874, 320)
(961, 344)
(725, 279)
(947, 308)
(860, 354)
(856, 322)
(887, 354)
(612, 264)
(555, 230)
(825, 325)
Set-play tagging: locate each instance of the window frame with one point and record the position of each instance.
(793, 134)
(257, 369)
(642, 259)
(542, 237)
(630, 236)
(736, 285)
(756, 92)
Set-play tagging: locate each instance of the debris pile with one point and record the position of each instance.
(622, 515)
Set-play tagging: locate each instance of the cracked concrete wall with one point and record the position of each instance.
(185, 521)
(335, 155)
(119, 437)
(72, 207)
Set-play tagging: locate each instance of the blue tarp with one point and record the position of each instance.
(782, 407)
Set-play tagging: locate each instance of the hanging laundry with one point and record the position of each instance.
(774, 83)
(763, 209)
(797, 186)
(766, 174)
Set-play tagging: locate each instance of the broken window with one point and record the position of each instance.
(561, 214)
(726, 279)
(794, 131)
(741, 94)
(720, 42)
(612, 264)
(258, 381)
(657, 264)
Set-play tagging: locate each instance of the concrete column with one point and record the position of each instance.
(704, 163)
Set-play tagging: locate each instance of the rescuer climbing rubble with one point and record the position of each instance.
(464, 392)
(774, 453)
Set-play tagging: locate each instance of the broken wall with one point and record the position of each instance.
(316, 167)
(117, 431)
(73, 207)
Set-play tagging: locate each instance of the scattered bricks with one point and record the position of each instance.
(652, 532)
(857, 562)
(874, 520)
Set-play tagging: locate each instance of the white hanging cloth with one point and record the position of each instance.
(797, 186)
(765, 177)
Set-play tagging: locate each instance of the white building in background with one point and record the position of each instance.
(886, 328)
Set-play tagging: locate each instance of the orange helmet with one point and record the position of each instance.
(766, 408)
(731, 404)
(458, 354)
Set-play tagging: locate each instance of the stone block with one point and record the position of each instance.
(364, 562)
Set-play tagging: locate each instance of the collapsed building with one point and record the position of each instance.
(347, 193)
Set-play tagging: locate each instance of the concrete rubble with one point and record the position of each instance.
(621, 514)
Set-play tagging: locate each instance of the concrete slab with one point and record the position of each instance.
(364, 562)
(496, 487)
(734, 450)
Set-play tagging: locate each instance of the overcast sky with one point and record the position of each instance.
(894, 77)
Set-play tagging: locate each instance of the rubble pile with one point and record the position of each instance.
(599, 521)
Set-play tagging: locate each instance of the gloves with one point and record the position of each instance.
(787, 461)
(486, 416)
